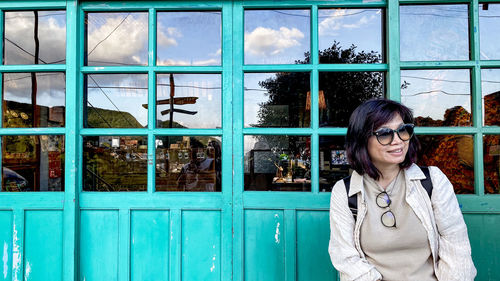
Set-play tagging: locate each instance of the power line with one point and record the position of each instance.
(109, 33)
(121, 113)
(434, 79)
(102, 117)
(46, 15)
(434, 91)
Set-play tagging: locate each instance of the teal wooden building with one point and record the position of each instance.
(199, 140)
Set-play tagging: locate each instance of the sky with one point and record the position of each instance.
(271, 36)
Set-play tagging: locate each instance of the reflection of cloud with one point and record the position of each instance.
(50, 88)
(335, 21)
(166, 36)
(51, 33)
(264, 41)
(187, 63)
(122, 38)
(217, 53)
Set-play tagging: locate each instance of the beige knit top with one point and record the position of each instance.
(401, 252)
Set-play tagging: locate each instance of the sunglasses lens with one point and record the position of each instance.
(388, 219)
(405, 132)
(384, 136)
(383, 200)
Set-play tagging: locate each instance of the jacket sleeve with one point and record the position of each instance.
(455, 261)
(345, 258)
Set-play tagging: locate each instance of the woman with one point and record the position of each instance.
(400, 232)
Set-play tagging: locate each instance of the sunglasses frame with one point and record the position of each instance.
(405, 126)
(386, 212)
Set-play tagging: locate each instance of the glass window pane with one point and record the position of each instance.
(277, 36)
(333, 165)
(358, 31)
(23, 90)
(33, 163)
(35, 37)
(277, 163)
(188, 163)
(341, 92)
(189, 38)
(438, 97)
(434, 32)
(490, 85)
(116, 39)
(454, 155)
(116, 101)
(115, 163)
(188, 101)
(491, 145)
(277, 99)
(489, 28)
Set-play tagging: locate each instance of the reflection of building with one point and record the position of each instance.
(454, 154)
(189, 164)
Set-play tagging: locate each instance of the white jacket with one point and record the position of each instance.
(440, 216)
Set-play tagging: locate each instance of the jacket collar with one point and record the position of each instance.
(411, 173)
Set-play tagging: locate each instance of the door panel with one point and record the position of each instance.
(99, 245)
(149, 247)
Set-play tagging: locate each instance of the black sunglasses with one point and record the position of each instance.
(383, 201)
(385, 135)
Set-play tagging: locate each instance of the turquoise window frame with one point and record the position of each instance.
(233, 199)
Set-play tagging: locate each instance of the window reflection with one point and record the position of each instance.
(333, 165)
(188, 163)
(490, 85)
(438, 97)
(434, 32)
(491, 145)
(23, 90)
(276, 36)
(188, 101)
(115, 163)
(116, 101)
(454, 155)
(116, 38)
(33, 163)
(189, 38)
(350, 29)
(277, 99)
(341, 92)
(35, 37)
(278, 163)
(489, 28)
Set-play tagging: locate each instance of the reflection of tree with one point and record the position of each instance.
(343, 91)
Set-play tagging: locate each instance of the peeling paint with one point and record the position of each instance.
(28, 271)
(213, 264)
(277, 234)
(16, 254)
(5, 259)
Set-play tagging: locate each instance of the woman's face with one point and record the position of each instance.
(391, 155)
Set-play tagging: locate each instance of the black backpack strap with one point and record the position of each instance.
(352, 200)
(427, 182)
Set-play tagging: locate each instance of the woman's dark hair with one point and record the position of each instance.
(366, 118)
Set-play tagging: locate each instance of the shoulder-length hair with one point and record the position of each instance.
(366, 118)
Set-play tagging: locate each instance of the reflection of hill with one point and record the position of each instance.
(105, 118)
(454, 154)
(165, 124)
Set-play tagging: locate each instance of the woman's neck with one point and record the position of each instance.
(388, 174)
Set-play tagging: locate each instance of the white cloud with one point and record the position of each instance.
(336, 21)
(166, 36)
(51, 33)
(115, 41)
(187, 63)
(264, 41)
